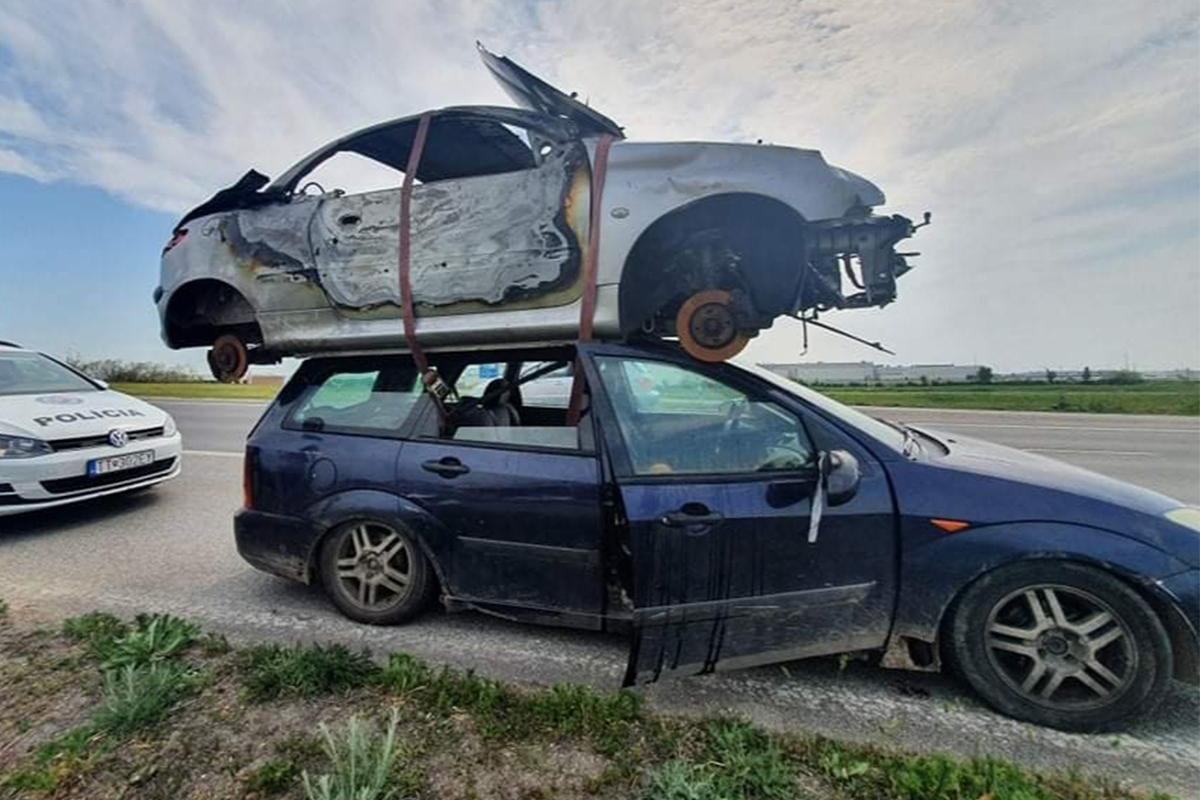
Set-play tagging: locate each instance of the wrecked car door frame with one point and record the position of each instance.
(739, 584)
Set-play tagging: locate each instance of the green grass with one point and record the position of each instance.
(501, 712)
(647, 756)
(137, 696)
(200, 390)
(274, 776)
(1151, 397)
(362, 763)
(272, 671)
(152, 638)
(737, 760)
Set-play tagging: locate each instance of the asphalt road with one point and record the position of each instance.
(171, 551)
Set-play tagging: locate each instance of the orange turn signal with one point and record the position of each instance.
(950, 525)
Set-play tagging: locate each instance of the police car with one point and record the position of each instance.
(65, 437)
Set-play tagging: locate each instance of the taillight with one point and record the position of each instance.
(247, 482)
(176, 238)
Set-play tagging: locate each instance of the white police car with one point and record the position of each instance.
(65, 437)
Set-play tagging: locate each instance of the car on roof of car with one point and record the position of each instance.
(709, 242)
(65, 437)
(726, 518)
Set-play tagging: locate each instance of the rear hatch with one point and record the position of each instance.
(529, 91)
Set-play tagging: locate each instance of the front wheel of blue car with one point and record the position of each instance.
(375, 572)
(1060, 644)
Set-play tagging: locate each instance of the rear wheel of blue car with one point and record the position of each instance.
(375, 572)
(1060, 644)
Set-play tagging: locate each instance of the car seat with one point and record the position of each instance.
(498, 402)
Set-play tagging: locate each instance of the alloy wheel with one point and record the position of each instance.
(1061, 647)
(374, 566)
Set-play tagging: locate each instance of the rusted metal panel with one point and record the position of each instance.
(486, 240)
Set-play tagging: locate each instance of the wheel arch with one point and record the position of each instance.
(770, 227)
(366, 505)
(946, 569)
(199, 310)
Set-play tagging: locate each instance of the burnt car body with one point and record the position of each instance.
(500, 219)
(725, 518)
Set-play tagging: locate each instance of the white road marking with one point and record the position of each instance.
(221, 401)
(1087, 452)
(215, 453)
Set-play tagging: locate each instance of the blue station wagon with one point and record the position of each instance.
(723, 517)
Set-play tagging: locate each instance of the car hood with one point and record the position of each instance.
(529, 91)
(993, 484)
(66, 415)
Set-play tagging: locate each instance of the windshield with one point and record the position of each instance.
(33, 373)
(888, 434)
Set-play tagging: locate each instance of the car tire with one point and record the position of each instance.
(1060, 644)
(375, 572)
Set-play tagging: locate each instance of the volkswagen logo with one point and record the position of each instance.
(118, 438)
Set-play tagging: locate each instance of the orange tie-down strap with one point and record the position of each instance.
(407, 314)
(587, 310)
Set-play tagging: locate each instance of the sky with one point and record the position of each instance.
(1056, 143)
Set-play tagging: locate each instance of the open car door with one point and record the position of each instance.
(717, 480)
(529, 91)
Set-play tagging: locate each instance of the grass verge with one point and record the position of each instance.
(176, 713)
(1151, 397)
(199, 390)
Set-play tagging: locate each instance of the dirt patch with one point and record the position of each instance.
(48, 687)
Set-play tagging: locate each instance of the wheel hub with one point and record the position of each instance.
(712, 325)
(1061, 646)
(374, 566)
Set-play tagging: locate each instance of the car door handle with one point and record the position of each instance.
(446, 467)
(691, 514)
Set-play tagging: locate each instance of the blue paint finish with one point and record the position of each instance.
(533, 501)
(551, 535)
(934, 574)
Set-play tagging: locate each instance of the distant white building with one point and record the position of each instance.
(851, 372)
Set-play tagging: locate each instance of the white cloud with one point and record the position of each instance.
(1058, 144)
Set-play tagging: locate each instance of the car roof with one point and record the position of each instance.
(469, 140)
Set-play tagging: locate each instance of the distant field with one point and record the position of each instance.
(199, 391)
(1152, 397)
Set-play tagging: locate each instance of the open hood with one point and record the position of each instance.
(529, 91)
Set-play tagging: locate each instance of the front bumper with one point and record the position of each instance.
(58, 479)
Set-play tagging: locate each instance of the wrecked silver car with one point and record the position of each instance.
(706, 242)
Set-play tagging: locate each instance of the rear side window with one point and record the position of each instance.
(365, 399)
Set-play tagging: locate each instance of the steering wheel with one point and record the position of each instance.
(737, 410)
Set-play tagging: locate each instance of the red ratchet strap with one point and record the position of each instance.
(587, 311)
(406, 303)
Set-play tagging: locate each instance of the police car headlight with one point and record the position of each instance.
(22, 447)
(169, 428)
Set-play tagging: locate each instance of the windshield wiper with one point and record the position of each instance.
(910, 442)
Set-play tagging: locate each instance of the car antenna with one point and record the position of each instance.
(806, 321)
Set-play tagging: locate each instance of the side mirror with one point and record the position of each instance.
(842, 477)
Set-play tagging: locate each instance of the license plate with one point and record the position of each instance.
(103, 466)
